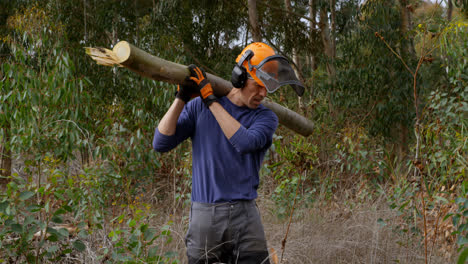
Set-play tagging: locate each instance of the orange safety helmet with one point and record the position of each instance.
(267, 69)
(260, 51)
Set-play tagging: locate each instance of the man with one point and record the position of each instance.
(230, 136)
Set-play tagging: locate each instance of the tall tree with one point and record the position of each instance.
(313, 25)
(253, 21)
(449, 10)
(295, 56)
(327, 39)
(5, 151)
(406, 26)
(372, 83)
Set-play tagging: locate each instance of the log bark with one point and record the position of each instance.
(153, 67)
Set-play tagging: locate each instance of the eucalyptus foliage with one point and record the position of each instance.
(82, 133)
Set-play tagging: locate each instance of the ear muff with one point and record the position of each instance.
(239, 73)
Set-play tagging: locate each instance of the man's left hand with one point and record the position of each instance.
(187, 92)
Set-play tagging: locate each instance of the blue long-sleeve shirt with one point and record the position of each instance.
(222, 170)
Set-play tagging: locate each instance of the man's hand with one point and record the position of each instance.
(187, 92)
(206, 91)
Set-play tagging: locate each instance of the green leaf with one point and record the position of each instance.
(170, 254)
(67, 207)
(63, 232)
(153, 251)
(79, 245)
(59, 196)
(381, 222)
(53, 232)
(83, 234)
(149, 234)
(3, 206)
(441, 199)
(82, 225)
(17, 228)
(25, 195)
(28, 220)
(463, 257)
(53, 249)
(30, 234)
(34, 208)
(462, 240)
(57, 219)
(67, 251)
(31, 258)
(60, 211)
(143, 227)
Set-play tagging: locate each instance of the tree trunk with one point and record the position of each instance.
(150, 66)
(327, 43)
(406, 26)
(5, 152)
(333, 28)
(85, 38)
(407, 51)
(313, 26)
(135, 8)
(449, 10)
(403, 142)
(253, 20)
(297, 63)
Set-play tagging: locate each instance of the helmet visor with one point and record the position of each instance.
(275, 72)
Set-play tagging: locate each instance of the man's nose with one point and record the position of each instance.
(263, 91)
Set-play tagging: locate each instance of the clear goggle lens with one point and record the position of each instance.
(275, 72)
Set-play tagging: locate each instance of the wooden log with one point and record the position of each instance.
(126, 55)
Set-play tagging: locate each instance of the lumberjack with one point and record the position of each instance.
(230, 136)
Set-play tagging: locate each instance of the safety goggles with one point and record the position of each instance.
(274, 72)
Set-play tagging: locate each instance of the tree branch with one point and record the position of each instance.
(287, 11)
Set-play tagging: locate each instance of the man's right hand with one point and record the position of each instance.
(187, 92)
(198, 76)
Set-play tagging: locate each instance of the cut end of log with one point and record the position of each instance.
(122, 51)
(103, 56)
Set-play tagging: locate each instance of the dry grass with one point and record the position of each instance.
(328, 233)
(333, 233)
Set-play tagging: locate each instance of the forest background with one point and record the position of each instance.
(381, 180)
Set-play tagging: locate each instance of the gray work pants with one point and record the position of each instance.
(226, 233)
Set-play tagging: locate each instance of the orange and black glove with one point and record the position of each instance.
(187, 92)
(206, 91)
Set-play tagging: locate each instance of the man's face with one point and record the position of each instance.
(252, 94)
